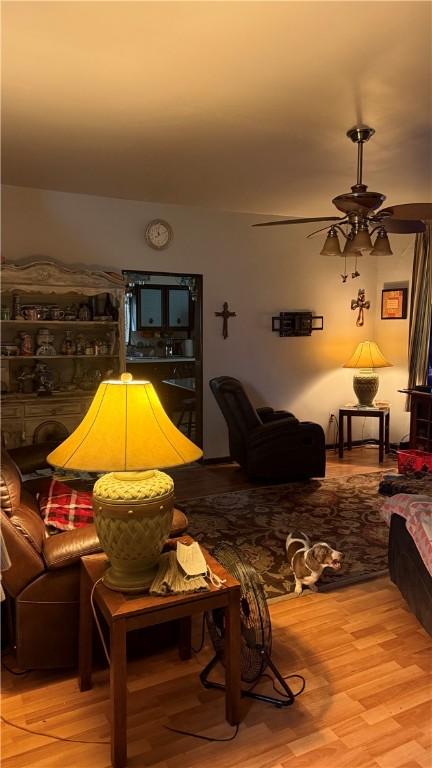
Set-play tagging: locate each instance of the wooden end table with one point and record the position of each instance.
(383, 414)
(127, 612)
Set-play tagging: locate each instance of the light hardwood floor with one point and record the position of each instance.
(367, 702)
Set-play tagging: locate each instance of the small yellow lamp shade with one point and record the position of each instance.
(367, 355)
(125, 429)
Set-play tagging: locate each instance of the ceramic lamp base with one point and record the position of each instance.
(133, 518)
(365, 385)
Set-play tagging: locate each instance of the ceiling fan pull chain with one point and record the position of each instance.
(356, 273)
(345, 274)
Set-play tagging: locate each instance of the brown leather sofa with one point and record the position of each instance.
(43, 580)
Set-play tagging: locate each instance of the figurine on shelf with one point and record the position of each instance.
(43, 380)
(71, 312)
(25, 344)
(80, 344)
(44, 341)
(68, 346)
(25, 381)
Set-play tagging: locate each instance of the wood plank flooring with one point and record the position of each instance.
(367, 702)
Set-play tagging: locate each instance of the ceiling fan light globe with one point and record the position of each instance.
(331, 246)
(382, 245)
(350, 248)
(362, 241)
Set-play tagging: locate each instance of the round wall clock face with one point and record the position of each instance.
(158, 234)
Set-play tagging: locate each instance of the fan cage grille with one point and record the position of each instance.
(256, 637)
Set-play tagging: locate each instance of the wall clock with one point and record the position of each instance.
(158, 234)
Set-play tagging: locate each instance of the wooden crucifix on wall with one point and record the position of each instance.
(225, 314)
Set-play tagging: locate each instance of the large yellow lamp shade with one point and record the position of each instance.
(125, 429)
(127, 433)
(366, 357)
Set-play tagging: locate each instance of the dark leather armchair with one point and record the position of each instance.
(268, 444)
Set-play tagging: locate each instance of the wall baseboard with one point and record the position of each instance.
(329, 447)
(359, 443)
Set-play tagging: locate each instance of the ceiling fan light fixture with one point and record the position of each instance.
(382, 244)
(350, 248)
(362, 241)
(331, 246)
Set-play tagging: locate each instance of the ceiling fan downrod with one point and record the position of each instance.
(359, 203)
(359, 134)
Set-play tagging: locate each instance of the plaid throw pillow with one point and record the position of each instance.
(65, 509)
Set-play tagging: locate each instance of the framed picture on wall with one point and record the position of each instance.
(394, 303)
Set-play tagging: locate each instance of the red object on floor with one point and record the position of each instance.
(413, 461)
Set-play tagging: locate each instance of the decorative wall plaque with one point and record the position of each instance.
(297, 323)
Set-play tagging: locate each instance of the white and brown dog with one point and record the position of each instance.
(307, 561)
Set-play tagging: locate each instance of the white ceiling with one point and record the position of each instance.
(232, 105)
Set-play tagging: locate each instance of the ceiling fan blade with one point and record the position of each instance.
(402, 227)
(297, 221)
(323, 229)
(422, 211)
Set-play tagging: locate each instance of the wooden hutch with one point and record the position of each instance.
(62, 332)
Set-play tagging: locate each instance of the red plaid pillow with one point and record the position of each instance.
(65, 509)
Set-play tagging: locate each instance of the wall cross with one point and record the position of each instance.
(225, 314)
(361, 304)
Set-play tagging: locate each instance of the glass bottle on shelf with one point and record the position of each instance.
(68, 346)
(80, 344)
(84, 312)
(16, 306)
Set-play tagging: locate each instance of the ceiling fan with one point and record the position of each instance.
(363, 215)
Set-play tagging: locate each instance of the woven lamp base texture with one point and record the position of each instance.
(133, 518)
(365, 384)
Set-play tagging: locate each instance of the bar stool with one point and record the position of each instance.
(187, 415)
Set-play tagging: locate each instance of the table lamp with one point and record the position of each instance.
(366, 357)
(127, 433)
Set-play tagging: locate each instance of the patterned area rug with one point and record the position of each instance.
(344, 512)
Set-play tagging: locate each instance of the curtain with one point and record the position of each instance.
(420, 311)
